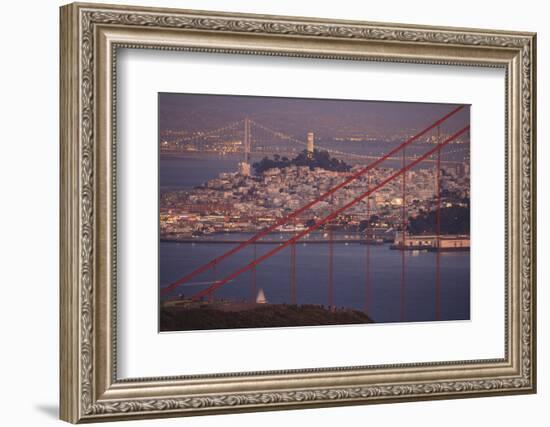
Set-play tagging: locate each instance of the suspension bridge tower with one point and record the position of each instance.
(244, 166)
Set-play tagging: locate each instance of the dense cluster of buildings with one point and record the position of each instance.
(241, 202)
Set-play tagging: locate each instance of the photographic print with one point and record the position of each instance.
(281, 212)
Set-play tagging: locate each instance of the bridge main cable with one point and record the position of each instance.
(329, 217)
(304, 208)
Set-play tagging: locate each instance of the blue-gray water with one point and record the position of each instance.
(185, 172)
(350, 286)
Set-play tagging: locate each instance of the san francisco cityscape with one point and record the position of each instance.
(305, 212)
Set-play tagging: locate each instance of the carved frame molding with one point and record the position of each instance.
(90, 390)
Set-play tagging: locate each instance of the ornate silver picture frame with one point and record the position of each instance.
(91, 37)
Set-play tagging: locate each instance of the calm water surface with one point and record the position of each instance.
(380, 296)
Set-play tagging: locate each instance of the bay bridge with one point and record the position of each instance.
(433, 153)
(251, 138)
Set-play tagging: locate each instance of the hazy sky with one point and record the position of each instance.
(296, 115)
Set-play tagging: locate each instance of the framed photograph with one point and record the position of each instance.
(266, 212)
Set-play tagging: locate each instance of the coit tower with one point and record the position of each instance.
(310, 143)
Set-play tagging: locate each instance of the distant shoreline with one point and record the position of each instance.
(267, 242)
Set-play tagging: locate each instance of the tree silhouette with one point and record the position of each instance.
(317, 159)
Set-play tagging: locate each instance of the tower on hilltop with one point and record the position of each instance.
(310, 144)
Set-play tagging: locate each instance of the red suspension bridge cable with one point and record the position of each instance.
(438, 234)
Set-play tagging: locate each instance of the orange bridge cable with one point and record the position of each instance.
(330, 269)
(293, 274)
(403, 244)
(253, 278)
(293, 270)
(328, 218)
(214, 271)
(304, 208)
(369, 239)
(438, 234)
